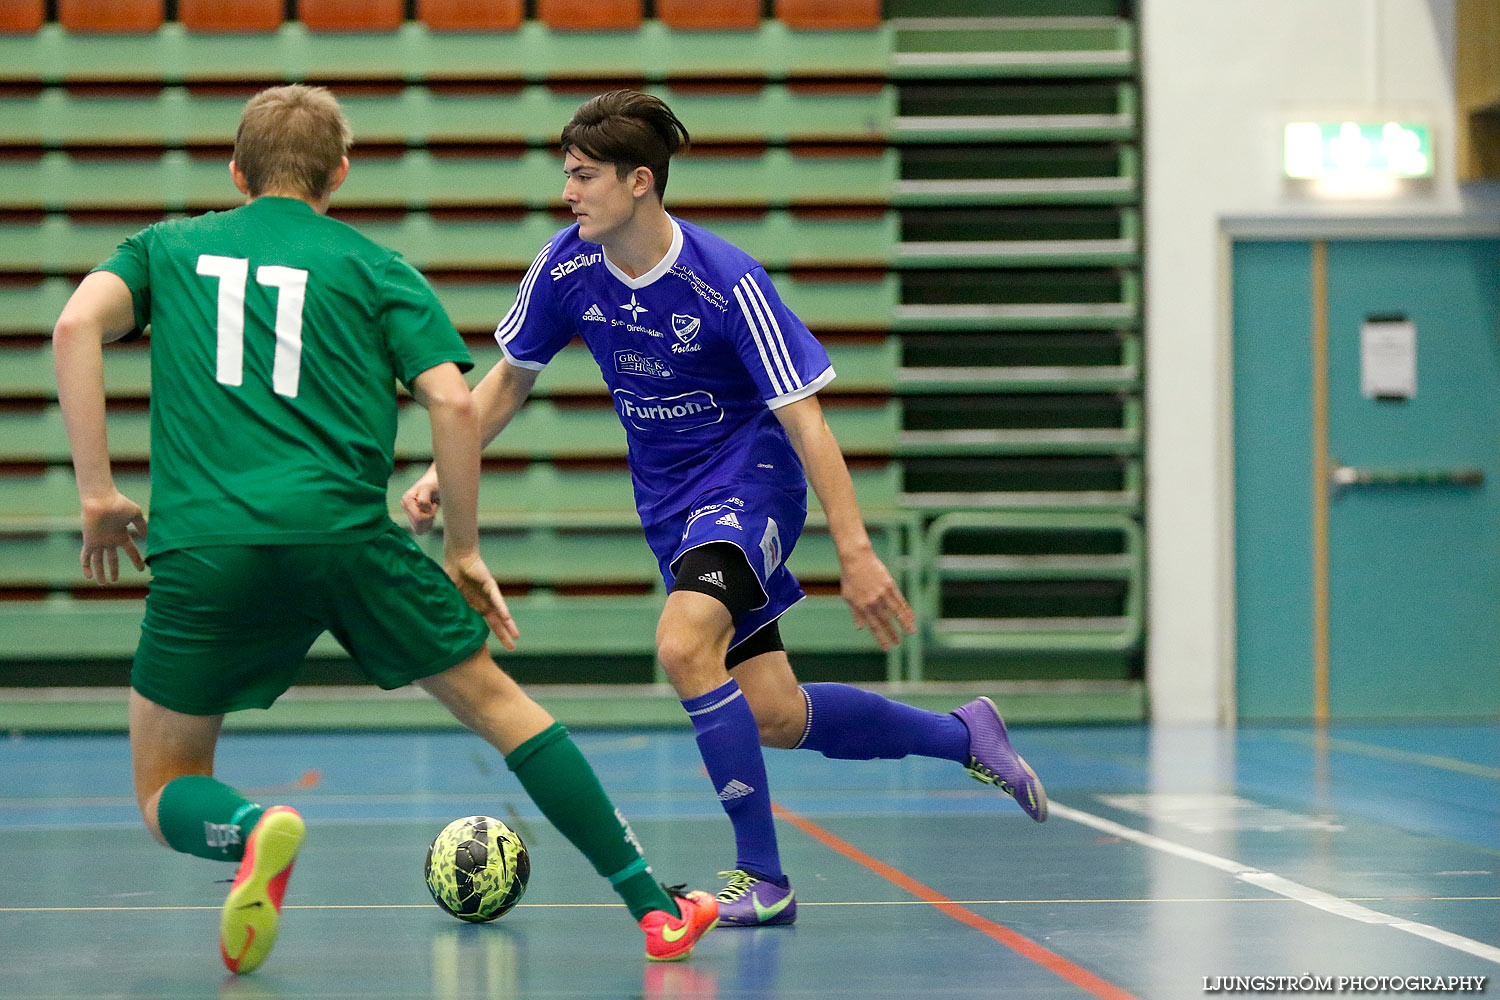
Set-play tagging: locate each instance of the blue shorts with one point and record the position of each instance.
(762, 521)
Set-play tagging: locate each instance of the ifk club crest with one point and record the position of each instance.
(686, 327)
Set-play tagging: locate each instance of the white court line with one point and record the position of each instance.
(1272, 882)
(801, 903)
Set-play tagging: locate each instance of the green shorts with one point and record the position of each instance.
(227, 627)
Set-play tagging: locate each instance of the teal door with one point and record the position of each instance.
(1367, 529)
(1414, 505)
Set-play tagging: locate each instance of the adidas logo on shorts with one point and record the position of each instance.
(735, 789)
(714, 577)
(730, 520)
(595, 313)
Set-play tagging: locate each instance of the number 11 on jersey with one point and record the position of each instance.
(291, 285)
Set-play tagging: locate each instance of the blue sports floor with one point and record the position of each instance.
(1174, 861)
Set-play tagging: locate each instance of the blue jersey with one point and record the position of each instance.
(697, 353)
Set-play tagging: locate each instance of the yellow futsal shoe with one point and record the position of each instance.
(252, 912)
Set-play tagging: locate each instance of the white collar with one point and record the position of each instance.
(662, 266)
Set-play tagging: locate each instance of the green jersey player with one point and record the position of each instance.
(277, 336)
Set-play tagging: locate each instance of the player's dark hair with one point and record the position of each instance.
(629, 129)
(291, 138)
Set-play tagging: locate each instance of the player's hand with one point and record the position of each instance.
(110, 523)
(421, 502)
(875, 599)
(473, 579)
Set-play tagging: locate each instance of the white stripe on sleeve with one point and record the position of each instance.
(776, 342)
(750, 301)
(753, 324)
(511, 323)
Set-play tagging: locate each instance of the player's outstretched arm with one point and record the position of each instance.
(455, 448)
(497, 399)
(866, 584)
(99, 311)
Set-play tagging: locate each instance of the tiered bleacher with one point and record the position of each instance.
(949, 200)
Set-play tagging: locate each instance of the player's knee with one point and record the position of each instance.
(780, 731)
(683, 655)
(781, 721)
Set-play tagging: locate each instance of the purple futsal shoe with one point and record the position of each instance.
(751, 901)
(993, 761)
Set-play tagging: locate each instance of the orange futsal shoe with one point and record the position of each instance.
(252, 913)
(669, 940)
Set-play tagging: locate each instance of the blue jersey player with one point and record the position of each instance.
(716, 382)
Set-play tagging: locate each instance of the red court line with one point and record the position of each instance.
(1077, 975)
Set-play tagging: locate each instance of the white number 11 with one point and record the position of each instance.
(291, 286)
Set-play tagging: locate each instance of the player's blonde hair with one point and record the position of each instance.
(291, 138)
(629, 129)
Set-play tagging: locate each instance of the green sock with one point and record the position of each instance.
(563, 785)
(207, 818)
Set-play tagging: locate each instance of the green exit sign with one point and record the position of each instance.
(1357, 150)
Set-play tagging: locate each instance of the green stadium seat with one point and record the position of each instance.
(45, 498)
(1032, 581)
(418, 115)
(470, 15)
(544, 429)
(351, 15)
(239, 17)
(535, 53)
(116, 17)
(778, 239)
(995, 424)
(1013, 47)
(26, 371)
(865, 365)
(66, 627)
(854, 304)
(175, 181)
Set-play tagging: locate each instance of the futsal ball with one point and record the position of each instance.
(477, 868)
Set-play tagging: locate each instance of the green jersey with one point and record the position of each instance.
(277, 335)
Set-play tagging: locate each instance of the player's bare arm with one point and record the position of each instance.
(497, 399)
(455, 448)
(866, 584)
(99, 311)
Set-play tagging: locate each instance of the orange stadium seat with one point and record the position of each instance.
(351, 15)
(470, 15)
(20, 17)
(829, 15)
(241, 15)
(591, 15)
(709, 15)
(116, 18)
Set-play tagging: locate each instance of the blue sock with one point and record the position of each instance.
(729, 741)
(850, 723)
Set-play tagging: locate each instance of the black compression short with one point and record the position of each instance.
(720, 571)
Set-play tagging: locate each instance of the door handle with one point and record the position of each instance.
(1346, 476)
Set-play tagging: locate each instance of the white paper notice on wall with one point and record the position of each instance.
(1388, 357)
